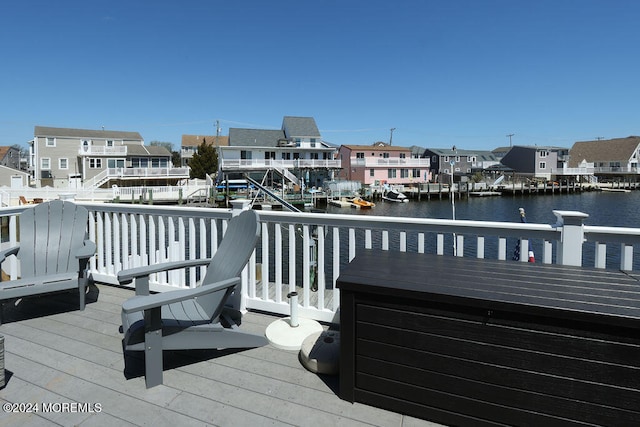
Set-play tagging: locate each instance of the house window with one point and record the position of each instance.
(296, 156)
(313, 156)
(543, 154)
(372, 172)
(403, 155)
(109, 143)
(45, 163)
(391, 173)
(63, 163)
(95, 163)
(457, 159)
(51, 142)
(139, 162)
(404, 173)
(359, 155)
(286, 156)
(245, 155)
(543, 165)
(115, 163)
(416, 173)
(445, 159)
(385, 155)
(155, 162)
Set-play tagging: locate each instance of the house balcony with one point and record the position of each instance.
(109, 174)
(390, 162)
(240, 165)
(56, 354)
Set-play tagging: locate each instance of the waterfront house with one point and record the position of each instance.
(190, 144)
(295, 154)
(500, 152)
(11, 174)
(610, 158)
(82, 158)
(381, 163)
(445, 161)
(10, 157)
(537, 162)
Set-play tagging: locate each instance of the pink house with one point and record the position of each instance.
(382, 163)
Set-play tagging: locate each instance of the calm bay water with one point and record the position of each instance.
(604, 208)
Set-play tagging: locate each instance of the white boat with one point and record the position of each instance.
(395, 196)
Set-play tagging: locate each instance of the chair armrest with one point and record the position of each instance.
(126, 276)
(9, 251)
(146, 302)
(87, 251)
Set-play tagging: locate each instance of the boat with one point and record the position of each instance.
(395, 196)
(360, 203)
(484, 193)
(615, 190)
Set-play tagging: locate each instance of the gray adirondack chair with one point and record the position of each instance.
(53, 251)
(193, 318)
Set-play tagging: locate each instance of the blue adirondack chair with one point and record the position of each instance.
(193, 318)
(53, 252)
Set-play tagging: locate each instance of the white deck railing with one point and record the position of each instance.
(306, 251)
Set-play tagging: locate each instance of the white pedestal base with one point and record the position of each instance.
(281, 335)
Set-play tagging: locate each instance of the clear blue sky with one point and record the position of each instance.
(444, 72)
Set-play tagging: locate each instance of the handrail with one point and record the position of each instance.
(295, 244)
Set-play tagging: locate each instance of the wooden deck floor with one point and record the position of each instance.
(55, 354)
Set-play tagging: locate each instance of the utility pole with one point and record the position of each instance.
(391, 137)
(509, 136)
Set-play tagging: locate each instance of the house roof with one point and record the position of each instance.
(147, 150)
(85, 133)
(254, 137)
(196, 140)
(449, 152)
(300, 127)
(618, 149)
(376, 147)
(3, 151)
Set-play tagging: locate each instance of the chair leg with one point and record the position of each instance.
(153, 347)
(82, 288)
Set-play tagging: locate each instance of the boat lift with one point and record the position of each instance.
(313, 244)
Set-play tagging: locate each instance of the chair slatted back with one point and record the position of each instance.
(229, 260)
(50, 235)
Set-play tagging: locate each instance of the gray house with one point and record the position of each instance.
(445, 161)
(74, 158)
(536, 162)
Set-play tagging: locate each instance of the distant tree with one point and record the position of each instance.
(205, 161)
(477, 177)
(167, 145)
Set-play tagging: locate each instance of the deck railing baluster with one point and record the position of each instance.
(135, 235)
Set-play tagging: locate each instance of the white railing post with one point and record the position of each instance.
(572, 237)
(237, 299)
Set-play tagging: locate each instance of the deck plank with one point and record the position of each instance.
(55, 353)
